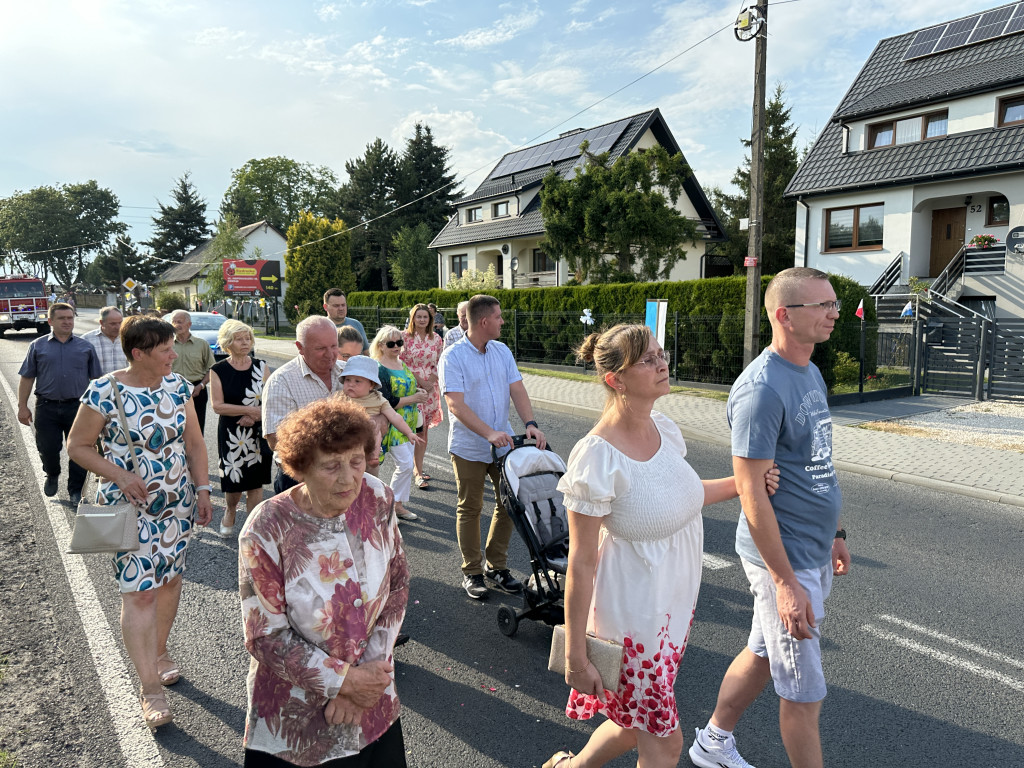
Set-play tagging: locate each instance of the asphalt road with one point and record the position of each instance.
(922, 639)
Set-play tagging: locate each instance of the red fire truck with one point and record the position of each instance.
(23, 303)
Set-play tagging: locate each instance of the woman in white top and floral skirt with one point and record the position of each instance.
(635, 528)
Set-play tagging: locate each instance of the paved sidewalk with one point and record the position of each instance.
(985, 473)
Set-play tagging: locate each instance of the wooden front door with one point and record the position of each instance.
(948, 228)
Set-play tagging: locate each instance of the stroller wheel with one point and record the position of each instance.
(508, 622)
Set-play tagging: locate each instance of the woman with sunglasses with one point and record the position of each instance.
(397, 381)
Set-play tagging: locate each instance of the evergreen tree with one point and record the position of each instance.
(119, 261)
(227, 244)
(424, 173)
(182, 226)
(781, 160)
(615, 222)
(413, 264)
(318, 257)
(278, 189)
(364, 202)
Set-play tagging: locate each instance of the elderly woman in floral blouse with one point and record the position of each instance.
(324, 585)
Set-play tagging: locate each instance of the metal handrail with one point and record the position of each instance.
(890, 276)
(953, 272)
(945, 300)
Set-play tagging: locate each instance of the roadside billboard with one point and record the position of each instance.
(252, 277)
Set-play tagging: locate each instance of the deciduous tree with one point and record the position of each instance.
(317, 258)
(182, 226)
(54, 229)
(615, 221)
(120, 260)
(278, 189)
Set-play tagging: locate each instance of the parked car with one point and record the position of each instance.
(205, 326)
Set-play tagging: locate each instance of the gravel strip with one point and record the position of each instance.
(990, 424)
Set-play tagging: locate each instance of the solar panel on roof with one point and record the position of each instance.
(957, 33)
(924, 42)
(1016, 24)
(991, 24)
(601, 138)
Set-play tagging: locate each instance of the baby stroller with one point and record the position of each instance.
(527, 489)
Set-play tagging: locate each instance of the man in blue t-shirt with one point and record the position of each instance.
(336, 307)
(792, 544)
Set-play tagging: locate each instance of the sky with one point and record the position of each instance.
(134, 94)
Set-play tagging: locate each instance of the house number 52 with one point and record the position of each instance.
(976, 209)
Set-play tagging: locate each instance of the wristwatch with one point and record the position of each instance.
(531, 423)
(841, 534)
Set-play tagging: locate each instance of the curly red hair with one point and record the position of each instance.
(332, 425)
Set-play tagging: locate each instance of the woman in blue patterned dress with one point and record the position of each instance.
(172, 495)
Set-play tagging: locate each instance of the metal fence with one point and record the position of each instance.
(702, 349)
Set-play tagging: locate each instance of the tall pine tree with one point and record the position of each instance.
(364, 201)
(425, 181)
(781, 160)
(182, 226)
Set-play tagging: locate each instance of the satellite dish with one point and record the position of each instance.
(748, 24)
(514, 263)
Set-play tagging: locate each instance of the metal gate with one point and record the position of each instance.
(1006, 362)
(953, 352)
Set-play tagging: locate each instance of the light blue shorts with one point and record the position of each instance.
(795, 664)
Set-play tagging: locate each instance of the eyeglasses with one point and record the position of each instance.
(655, 360)
(828, 306)
(393, 344)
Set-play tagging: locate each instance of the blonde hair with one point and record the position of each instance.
(411, 328)
(386, 333)
(614, 350)
(226, 333)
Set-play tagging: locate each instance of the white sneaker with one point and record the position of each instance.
(707, 752)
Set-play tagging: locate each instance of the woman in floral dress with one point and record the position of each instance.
(635, 528)
(324, 586)
(421, 352)
(236, 389)
(171, 496)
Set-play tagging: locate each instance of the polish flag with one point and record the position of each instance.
(860, 310)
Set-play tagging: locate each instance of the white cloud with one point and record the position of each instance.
(328, 12)
(501, 31)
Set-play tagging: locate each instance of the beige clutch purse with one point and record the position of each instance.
(605, 655)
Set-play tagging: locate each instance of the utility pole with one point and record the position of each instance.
(752, 23)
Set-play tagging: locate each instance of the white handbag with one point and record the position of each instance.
(107, 527)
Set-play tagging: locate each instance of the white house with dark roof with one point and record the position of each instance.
(501, 220)
(924, 152)
(187, 277)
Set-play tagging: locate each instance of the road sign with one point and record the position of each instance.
(129, 284)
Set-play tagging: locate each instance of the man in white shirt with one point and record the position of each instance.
(312, 375)
(456, 333)
(106, 340)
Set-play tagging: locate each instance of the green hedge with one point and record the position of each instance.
(710, 343)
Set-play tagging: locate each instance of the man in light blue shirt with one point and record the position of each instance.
(336, 307)
(478, 377)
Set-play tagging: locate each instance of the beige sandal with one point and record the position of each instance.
(167, 669)
(155, 710)
(558, 758)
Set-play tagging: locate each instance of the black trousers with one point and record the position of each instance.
(200, 399)
(283, 481)
(386, 752)
(53, 422)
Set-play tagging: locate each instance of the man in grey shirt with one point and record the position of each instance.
(478, 376)
(336, 307)
(106, 340)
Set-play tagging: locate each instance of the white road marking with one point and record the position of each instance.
(716, 563)
(137, 744)
(946, 658)
(954, 641)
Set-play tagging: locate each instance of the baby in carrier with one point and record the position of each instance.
(362, 387)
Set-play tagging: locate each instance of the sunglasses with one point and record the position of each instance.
(393, 344)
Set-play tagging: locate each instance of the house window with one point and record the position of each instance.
(908, 129)
(499, 209)
(858, 228)
(1011, 111)
(474, 214)
(998, 212)
(542, 262)
(459, 264)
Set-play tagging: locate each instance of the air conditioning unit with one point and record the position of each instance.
(506, 249)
